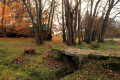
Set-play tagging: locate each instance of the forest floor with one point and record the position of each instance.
(15, 65)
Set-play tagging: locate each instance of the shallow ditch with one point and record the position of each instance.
(72, 63)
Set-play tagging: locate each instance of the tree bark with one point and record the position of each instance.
(39, 31)
(91, 21)
(63, 25)
(104, 25)
(68, 22)
(79, 25)
(75, 24)
(3, 18)
(48, 29)
(52, 17)
(38, 26)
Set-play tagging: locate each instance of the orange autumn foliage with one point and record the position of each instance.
(17, 19)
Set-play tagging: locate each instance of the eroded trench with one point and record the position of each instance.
(72, 63)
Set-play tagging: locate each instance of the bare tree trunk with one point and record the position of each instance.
(64, 34)
(79, 22)
(38, 26)
(79, 25)
(39, 31)
(68, 21)
(66, 18)
(48, 29)
(86, 25)
(95, 32)
(52, 17)
(2, 23)
(91, 21)
(104, 26)
(75, 24)
(71, 29)
(40, 17)
(82, 37)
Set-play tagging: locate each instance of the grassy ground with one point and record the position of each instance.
(108, 45)
(15, 65)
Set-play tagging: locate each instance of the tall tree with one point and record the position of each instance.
(38, 27)
(49, 19)
(3, 18)
(75, 23)
(79, 23)
(53, 11)
(98, 23)
(111, 4)
(70, 13)
(63, 23)
(91, 21)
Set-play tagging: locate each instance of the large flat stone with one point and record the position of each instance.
(84, 52)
